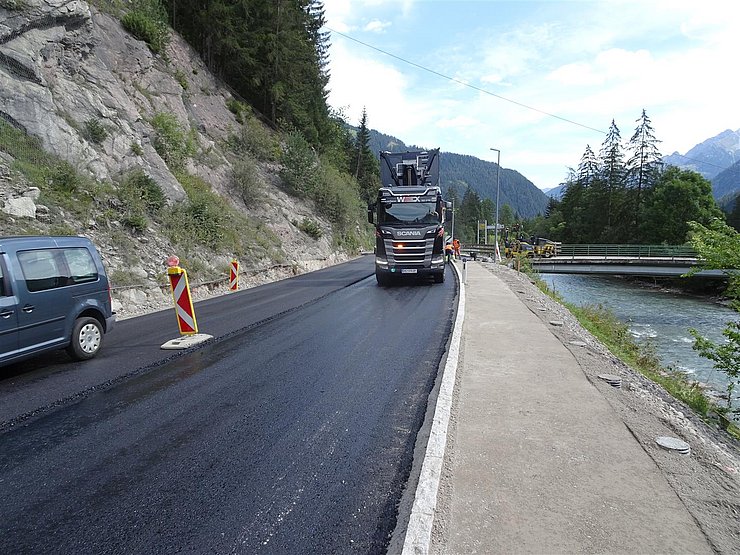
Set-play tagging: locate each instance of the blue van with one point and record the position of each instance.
(54, 294)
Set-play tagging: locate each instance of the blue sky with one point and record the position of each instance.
(514, 64)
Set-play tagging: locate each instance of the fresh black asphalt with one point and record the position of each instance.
(293, 433)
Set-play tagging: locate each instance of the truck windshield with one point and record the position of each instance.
(408, 213)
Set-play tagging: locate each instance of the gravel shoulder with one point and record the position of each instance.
(708, 480)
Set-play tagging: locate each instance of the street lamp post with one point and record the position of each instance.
(453, 219)
(497, 254)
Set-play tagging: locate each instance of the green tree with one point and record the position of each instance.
(365, 166)
(588, 168)
(273, 52)
(469, 215)
(719, 248)
(643, 165)
(506, 215)
(613, 173)
(572, 209)
(592, 199)
(680, 196)
(733, 218)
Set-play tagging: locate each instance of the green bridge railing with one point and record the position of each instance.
(635, 251)
(605, 250)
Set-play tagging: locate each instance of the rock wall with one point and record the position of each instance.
(63, 64)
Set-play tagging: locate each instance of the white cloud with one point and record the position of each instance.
(588, 62)
(359, 81)
(376, 26)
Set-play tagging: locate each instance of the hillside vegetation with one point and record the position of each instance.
(113, 127)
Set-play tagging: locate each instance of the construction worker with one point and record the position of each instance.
(456, 248)
(449, 250)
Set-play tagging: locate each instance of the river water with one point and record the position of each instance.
(655, 316)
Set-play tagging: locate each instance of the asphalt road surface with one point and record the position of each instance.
(292, 433)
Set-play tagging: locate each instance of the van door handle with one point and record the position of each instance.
(6, 313)
(28, 308)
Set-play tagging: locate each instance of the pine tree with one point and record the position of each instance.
(611, 163)
(469, 215)
(552, 205)
(643, 166)
(588, 168)
(366, 167)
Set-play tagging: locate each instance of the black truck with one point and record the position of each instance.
(409, 217)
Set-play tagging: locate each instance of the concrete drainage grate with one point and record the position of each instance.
(612, 380)
(674, 444)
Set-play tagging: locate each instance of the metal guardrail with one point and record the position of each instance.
(632, 251)
(607, 251)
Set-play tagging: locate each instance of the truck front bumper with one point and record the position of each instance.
(382, 266)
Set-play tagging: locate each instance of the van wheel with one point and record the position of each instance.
(87, 338)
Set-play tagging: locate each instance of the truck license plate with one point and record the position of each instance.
(408, 270)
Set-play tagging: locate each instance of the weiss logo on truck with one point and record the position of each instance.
(408, 233)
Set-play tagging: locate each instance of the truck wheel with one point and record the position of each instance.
(383, 280)
(439, 278)
(87, 338)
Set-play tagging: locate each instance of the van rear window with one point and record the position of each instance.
(51, 268)
(81, 265)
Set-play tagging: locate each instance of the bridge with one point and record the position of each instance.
(631, 260)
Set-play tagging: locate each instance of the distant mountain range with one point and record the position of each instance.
(718, 160)
(710, 157)
(463, 171)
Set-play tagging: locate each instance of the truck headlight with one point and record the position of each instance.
(380, 261)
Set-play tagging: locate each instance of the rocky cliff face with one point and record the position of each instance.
(64, 64)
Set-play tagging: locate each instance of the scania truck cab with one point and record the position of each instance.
(409, 216)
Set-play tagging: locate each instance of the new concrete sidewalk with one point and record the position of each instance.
(540, 462)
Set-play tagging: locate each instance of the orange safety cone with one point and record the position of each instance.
(234, 275)
(184, 309)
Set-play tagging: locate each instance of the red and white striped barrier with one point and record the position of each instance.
(234, 275)
(189, 335)
(183, 301)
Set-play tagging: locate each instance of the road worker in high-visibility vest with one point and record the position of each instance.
(449, 250)
(456, 248)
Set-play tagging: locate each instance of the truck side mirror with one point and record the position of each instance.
(370, 211)
(448, 205)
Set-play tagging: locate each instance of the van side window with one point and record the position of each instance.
(81, 265)
(2, 280)
(40, 269)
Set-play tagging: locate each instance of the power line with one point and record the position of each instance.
(465, 84)
(484, 91)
